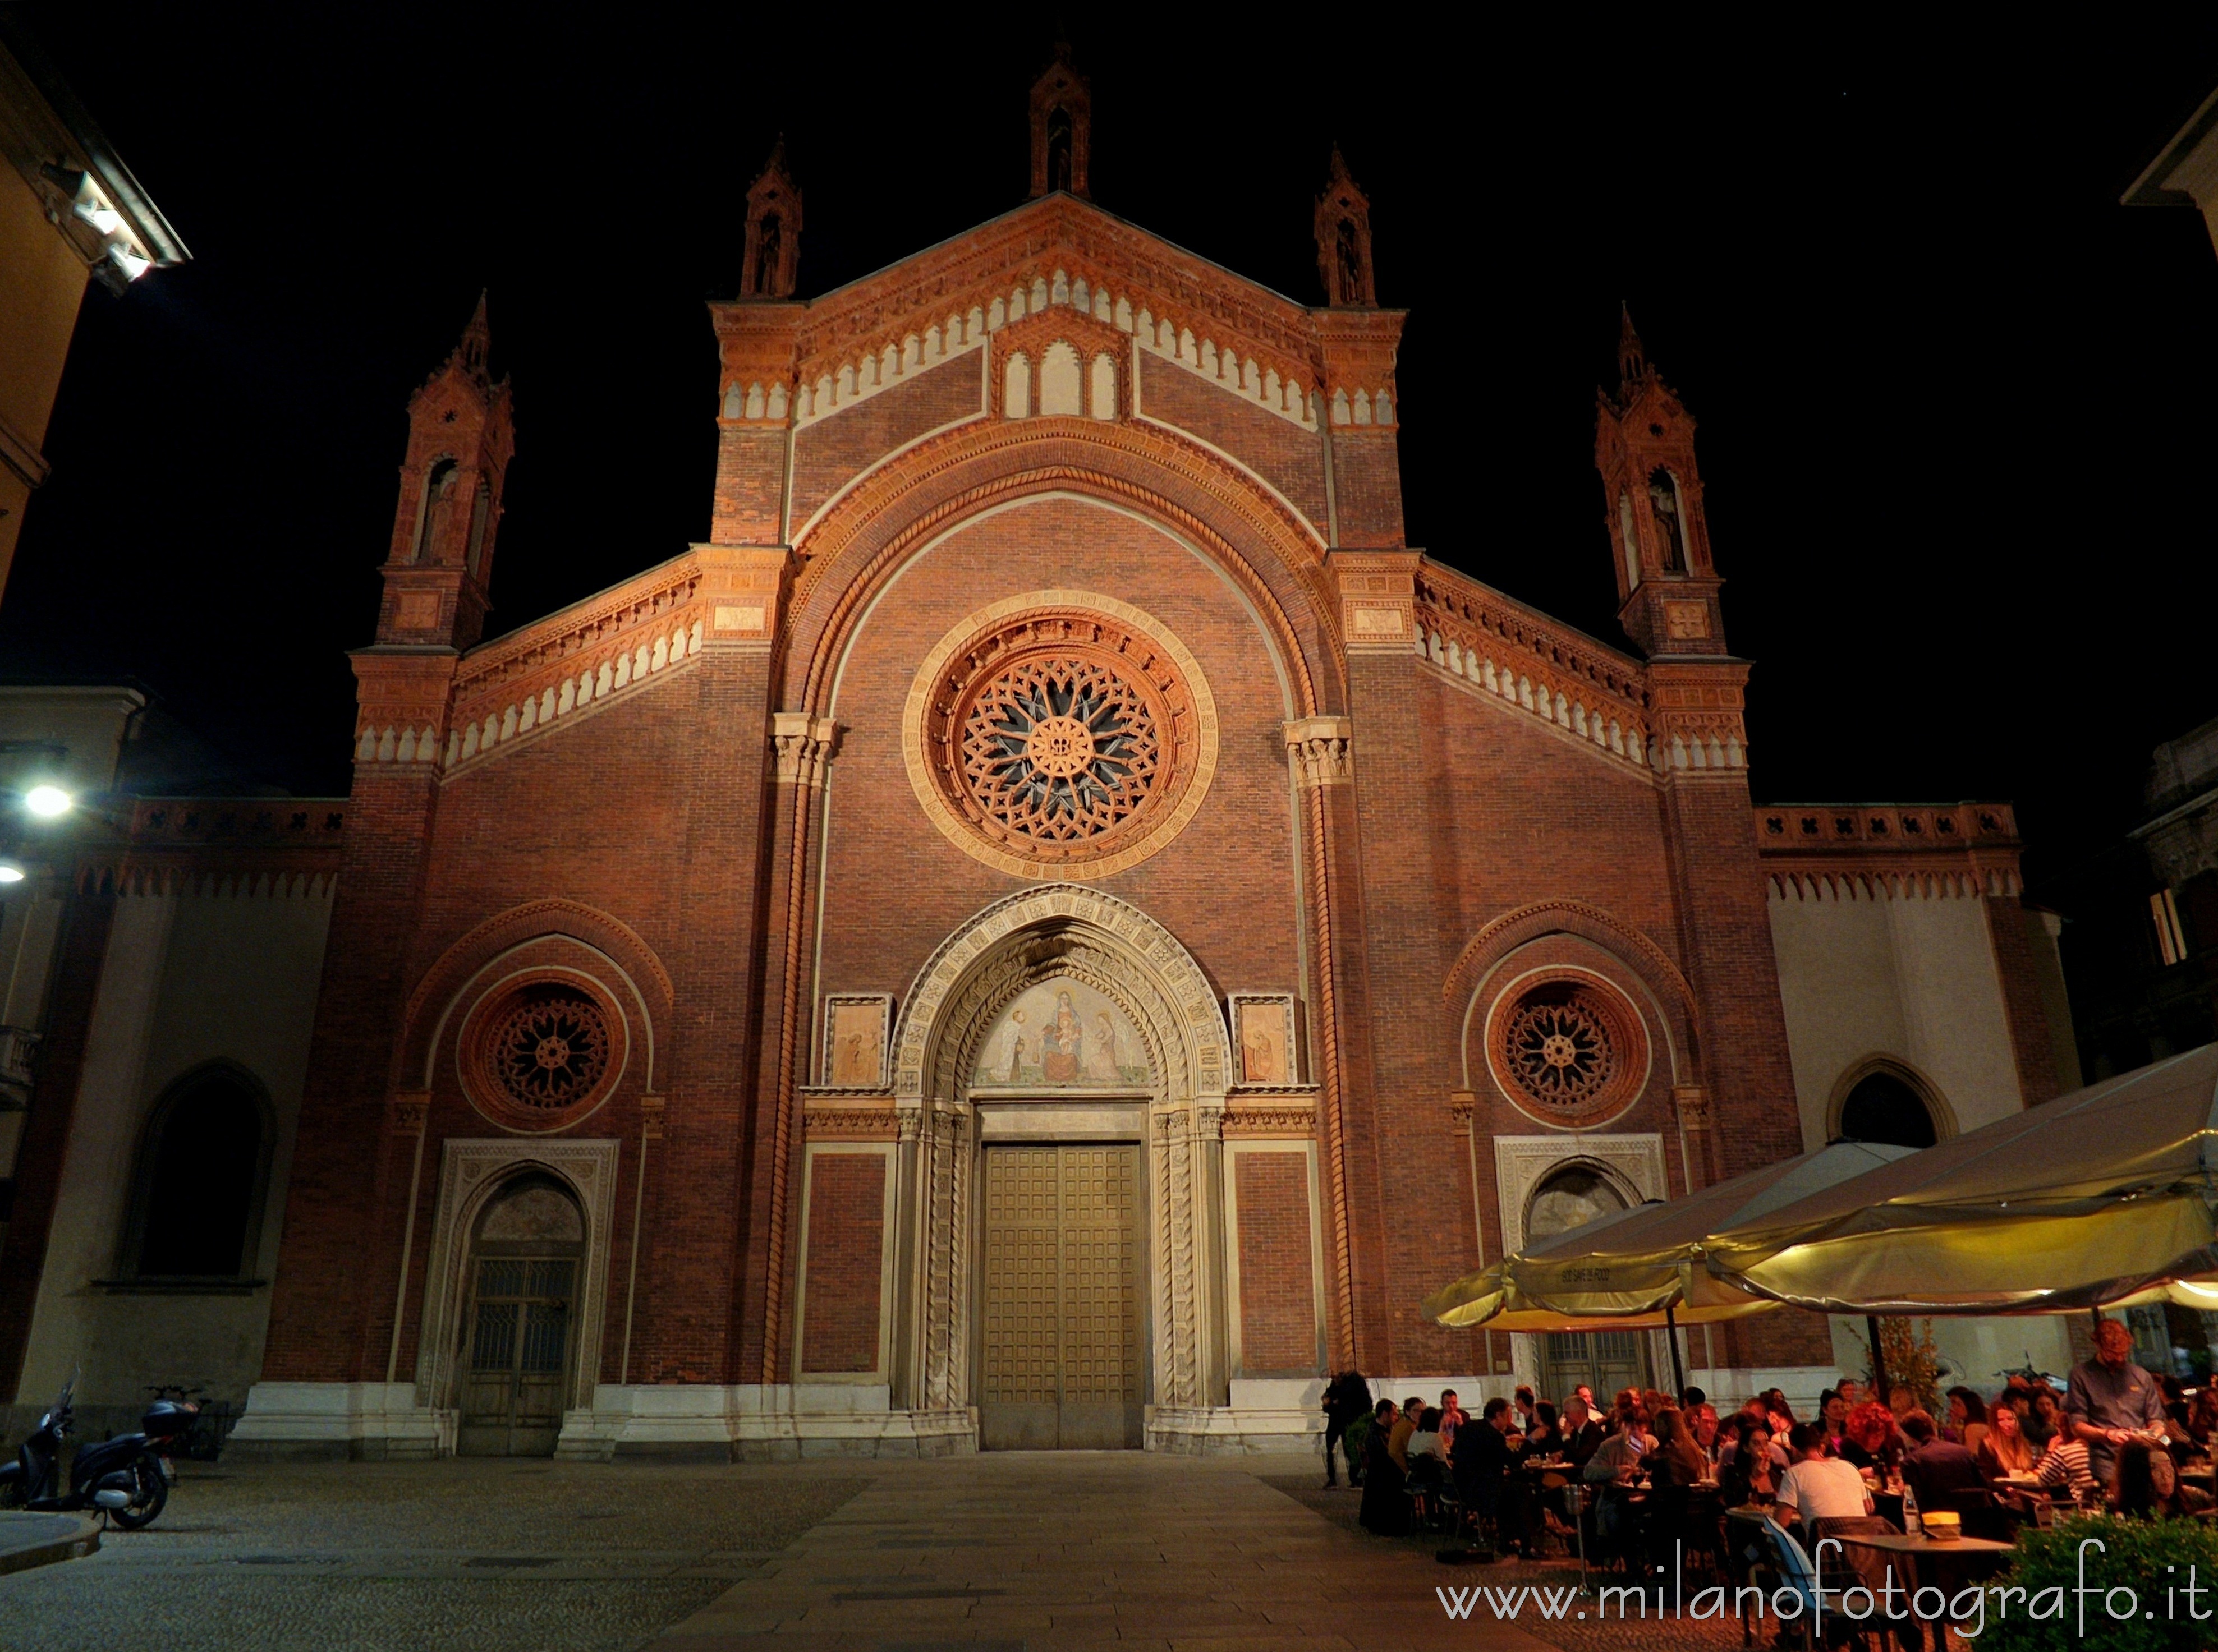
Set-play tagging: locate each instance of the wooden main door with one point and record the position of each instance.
(1062, 1364)
(517, 1368)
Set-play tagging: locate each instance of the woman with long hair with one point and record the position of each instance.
(1871, 1441)
(1967, 1420)
(2146, 1486)
(2005, 1449)
(1676, 1460)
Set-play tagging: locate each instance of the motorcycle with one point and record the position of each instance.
(127, 1478)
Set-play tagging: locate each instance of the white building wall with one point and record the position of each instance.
(1912, 978)
(214, 973)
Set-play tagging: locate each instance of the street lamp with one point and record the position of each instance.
(48, 802)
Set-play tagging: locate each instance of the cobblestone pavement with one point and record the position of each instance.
(494, 1556)
(1046, 1552)
(1060, 1551)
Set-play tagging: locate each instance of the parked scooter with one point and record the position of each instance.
(127, 1478)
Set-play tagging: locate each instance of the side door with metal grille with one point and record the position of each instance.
(516, 1370)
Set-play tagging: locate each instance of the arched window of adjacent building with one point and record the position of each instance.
(1663, 499)
(439, 504)
(203, 1172)
(1883, 1107)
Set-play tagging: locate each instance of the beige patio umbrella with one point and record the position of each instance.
(1642, 1268)
(2086, 1201)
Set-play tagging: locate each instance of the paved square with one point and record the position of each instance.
(1044, 1552)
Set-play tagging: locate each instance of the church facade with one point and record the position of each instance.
(1057, 927)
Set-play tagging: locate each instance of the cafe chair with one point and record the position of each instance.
(1791, 1570)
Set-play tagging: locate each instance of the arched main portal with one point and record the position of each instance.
(1060, 1078)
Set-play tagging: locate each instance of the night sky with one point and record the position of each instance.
(1958, 426)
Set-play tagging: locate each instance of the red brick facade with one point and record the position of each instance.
(699, 790)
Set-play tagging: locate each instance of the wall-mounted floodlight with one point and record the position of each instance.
(47, 802)
(9, 873)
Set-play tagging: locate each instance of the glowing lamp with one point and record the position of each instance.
(46, 802)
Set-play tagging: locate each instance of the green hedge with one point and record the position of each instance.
(2151, 1558)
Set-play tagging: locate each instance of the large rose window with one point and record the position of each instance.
(1060, 736)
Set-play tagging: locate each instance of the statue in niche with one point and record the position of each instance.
(766, 263)
(1059, 143)
(1351, 263)
(1663, 500)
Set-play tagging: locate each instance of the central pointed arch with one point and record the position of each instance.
(1000, 952)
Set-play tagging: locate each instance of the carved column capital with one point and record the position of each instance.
(805, 746)
(1694, 1104)
(407, 1110)
(1318, 747)
(651, 1110)
(1461, 1105)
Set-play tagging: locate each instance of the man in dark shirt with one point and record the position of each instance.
(2112, 1400)
(1483, 1456)
(1581, 1433)
(1942, 1474)
(1348, 1399)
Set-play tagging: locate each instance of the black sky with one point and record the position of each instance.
(1957, 421)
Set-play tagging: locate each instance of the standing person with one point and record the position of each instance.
(1524, 1410)
(1453, 1417)
(1347, 1398)
(2112, 1400)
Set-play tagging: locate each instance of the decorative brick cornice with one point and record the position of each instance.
(1848, 850)
(1318, 747)
(1269, 1118)
(805, 746)
(850, 1121)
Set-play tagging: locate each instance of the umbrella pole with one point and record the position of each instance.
(1878, 1359)
(1678, 1374)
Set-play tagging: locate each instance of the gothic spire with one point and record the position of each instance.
(1632, 359)
(477, 338)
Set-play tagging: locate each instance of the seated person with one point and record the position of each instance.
(2005, 1450)
(1677, 1461)
(1818, 1487)
(2203, 1417)
(1397, 1438)
(1941, 1473)
(2065, 1464)
(1581, 1433)
(1750, 1474)
(1967, 1420)
(1481, 1460)
(2148, 1486)
(1427, 1452)
(1384, 1509)
(1870, 1440)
